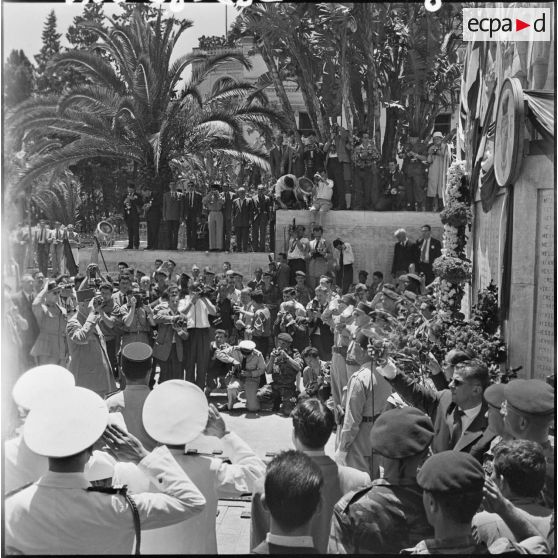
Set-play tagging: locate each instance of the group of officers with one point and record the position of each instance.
(441, 485)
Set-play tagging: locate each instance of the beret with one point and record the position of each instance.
(532, 397)
(451, 471)
(246, 345)
(137, 352)
(401, 433)
(494, 395)
(300, 273)
(413, 277)
(195, 267)
(285, 337)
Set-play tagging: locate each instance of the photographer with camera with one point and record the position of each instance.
(168, 347)
(137, 320)
(197, 308)
(89, 360)
(321, 336)
(243, 313)
(292, 319)
(320, 252)
(285, 366)
(299, 247)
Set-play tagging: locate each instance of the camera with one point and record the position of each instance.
(203, 291)
(181, 322)
(98, 300)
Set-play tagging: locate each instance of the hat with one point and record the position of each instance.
(229, 273)
(411, 296)
(414, 277)
(285, 337)
(390, 293)
(53, 287)
(67, 424)
(300, 274)
(137, 352)
(195, 267)
(161, 272)
(451, 471)
(360, 287)
(364, 307)
(237, 274)
(175, 412)
(40, 383)
(494, 395)
(100, 466)
(401, 433)
(531, 397)
(207, 271)
(246, 345)
(289, 290)
(348, 299)
(437, 135)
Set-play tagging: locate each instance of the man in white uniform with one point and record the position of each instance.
(59, 515)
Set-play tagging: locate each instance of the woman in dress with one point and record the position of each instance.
(51, 346)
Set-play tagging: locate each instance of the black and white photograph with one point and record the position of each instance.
(278, 277)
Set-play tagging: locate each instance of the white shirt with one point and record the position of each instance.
(348, 256)
(295, 253)
(57, 515)
(215, 479)
(197, 315)
(427, 253)
(324, 190)
(21, 465)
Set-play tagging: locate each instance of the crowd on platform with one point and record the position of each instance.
(444, 463)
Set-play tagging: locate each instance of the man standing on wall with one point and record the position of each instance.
(191, 212)
(171, 214)
(344, 259)
(242, 216)
(262, 206)
(427, 250)
(42, 240)
(132, 206)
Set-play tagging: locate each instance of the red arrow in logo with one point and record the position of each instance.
(519, 25)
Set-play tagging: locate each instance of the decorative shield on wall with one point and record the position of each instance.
(509, 133)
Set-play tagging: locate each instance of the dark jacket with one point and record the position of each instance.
(439, 406)
(242, 212)
(132, 207)
(262, 207)
(276, 161)
(435, 249)
(172, 207)
(403, 256)
(192, 205)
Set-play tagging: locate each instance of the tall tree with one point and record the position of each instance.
(47, 79)
(80, 37)
(18, 78)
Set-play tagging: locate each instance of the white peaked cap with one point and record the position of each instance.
(100, 466)
(175, 412)
(64, 425)
(247, 345)
(41, 383)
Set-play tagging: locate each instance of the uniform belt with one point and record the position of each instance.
(370, 419)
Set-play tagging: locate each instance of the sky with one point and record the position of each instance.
(22, 23)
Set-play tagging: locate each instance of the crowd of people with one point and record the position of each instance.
(443, 463)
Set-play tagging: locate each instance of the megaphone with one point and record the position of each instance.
(104, 230)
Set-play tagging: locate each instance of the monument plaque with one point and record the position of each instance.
(545, 349)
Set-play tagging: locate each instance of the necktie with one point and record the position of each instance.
(340, 257)
(457, 426)
(423, 252)
(42, 238)
(244, 361)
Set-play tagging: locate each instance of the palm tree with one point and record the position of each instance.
(133, 109)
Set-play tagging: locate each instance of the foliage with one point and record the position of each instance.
(48, 80)
(485, 312)
(214, 41)
(57, 199)
(18, 78)
(134, 109)
(81, 37)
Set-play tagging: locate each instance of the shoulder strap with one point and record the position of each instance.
(123, 491)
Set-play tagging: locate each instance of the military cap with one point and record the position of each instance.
(172, 262)
(289, 290)
(401, 433)
(531, 397)
(360, 287)
(175, 412)
(207, 271)
(267, 274)
(53, 287)
(100, 466)
(451, 471)
(237, 274)
(300, 274)
(229, 273)
(137, 352)
(328, 277)
(413, 277)
(364, 307)
(195, 266)
(246, 345)
(390, 293)
(410, 296)
(161, 272)
(41, 382)
(285, 337)
(494, 395)
(124, 264)
(67, 424)
(348, 299)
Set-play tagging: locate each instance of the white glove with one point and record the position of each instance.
(340, 457)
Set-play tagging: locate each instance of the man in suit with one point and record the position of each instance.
(242, 217)
(458, 413)
(57, 248)
(42, 239)
(338, 166)
(191, 213)
(228, 198)
(427, 250)
(172, 210)
(153, 215)
(293, 484)
(24, 301)
(276, 155)
(312, 426)
(132, 207)
(262, 206)
(404, 254)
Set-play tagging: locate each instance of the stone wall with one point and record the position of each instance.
(370, 233)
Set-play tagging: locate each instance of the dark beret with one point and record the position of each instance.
(401, 433)
(494, 395)
(532, 397)
(285, 337)
(137, 352)
(451, 472)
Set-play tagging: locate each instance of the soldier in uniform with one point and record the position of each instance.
(85, 521)
(528, 413)
(366, 396)
(132, 207)
(285, 365)
(415, 156)
(303, 293)
(453, 482)
(387, 515)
